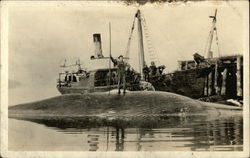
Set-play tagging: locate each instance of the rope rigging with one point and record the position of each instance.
(216, 39)
(65, 65)
(129, 39)
(207, 52)
(206, 45)
(151, 50)
(217, 42)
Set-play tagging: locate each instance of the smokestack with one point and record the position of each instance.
(98, 45)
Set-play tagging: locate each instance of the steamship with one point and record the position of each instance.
(102, 78)
(200, 77)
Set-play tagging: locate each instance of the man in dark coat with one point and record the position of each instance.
(146, 72)
(152, 70)
(121, 72)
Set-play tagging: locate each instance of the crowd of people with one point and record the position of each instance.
(152, 72)
(126, 77)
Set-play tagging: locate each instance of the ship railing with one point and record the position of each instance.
(114, 81)
(73, 77)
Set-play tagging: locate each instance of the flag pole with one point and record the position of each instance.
(109, 57)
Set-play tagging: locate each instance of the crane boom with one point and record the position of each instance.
(211, 34)
(140, 46)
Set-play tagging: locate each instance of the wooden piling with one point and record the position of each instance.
(223, 87)
(186, 65)
(238, 74)
(209, 84)
(206, 86)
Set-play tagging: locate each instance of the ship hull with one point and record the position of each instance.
(84, 90)
(222, 79)
(186, 83)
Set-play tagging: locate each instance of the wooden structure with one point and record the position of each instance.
(223, 76)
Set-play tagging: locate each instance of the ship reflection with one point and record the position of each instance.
(154, 134)
(93, 142)
(119, 139)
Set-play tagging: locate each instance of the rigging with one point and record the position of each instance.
(209, 42)
(144, 33)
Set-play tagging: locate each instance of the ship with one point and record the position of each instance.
(207, 78)
(103, 78)
(201, 77)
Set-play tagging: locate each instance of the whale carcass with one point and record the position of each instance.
(113, 106)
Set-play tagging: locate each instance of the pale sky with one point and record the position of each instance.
(40, 37)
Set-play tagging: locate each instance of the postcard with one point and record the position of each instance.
(124, 79)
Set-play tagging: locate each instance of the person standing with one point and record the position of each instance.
(146, 72)
(121, 72)
(128, 74)
(152, 71)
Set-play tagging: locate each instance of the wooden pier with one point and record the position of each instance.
(223, 76)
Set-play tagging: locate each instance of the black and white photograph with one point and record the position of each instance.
(124, 79)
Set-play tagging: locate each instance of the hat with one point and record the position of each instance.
(120, 56)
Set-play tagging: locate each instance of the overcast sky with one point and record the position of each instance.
(40, 37)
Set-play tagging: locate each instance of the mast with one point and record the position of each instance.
(211, 34)
(109, 79)
(140, 45)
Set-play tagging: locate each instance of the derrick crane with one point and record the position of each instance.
(142, 32)
(213, 30)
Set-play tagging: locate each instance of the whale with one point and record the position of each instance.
(111, 106)
(140, 117)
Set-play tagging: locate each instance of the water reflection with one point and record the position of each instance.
(148, 133)
(119, 144)
(93, 142)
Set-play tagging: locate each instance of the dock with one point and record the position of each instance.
(224, 76)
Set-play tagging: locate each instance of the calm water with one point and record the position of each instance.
(138, 134)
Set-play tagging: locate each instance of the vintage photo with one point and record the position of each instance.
(109, 77)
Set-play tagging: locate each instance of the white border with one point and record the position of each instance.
(4, 78)
(67, 154)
